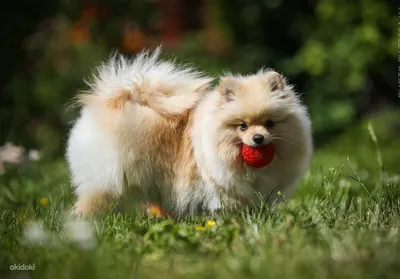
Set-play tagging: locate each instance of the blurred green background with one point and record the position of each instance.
(341, 55)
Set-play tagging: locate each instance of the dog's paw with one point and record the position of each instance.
(214, 205)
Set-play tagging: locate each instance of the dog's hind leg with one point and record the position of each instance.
(95, 165)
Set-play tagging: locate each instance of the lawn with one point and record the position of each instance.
(343, 222)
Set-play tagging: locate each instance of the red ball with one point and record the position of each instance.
(258, 157)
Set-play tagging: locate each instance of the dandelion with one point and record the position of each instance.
(80, 232)
(12, 154)
(199, 228)
(33, 233)
(155, 210)
(44, 201)
(344, 183)
(34, 155)
(210, 223)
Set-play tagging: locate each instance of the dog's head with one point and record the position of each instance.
(260, 109)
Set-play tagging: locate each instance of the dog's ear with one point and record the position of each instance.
(274, 81)
(227, 86)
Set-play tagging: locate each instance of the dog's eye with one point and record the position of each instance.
(243, 126)
(269, 123)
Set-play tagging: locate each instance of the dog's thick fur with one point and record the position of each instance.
(157, 128)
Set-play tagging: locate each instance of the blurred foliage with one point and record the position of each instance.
(355, 147)
(341, 54)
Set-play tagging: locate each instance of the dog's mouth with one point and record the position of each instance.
(254, 145)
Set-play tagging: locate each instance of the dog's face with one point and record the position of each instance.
(261, 109)
(255, 132)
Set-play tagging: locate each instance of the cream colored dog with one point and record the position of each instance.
(158, 130)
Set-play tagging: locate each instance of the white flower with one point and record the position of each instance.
(81, 232)
(344, 183)
(33, 233)
(34, 155)
(12, 154)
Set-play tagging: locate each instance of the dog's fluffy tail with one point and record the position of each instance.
(163, 86)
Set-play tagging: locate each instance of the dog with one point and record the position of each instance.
(155, 131)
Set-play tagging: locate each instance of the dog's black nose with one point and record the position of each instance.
(257, 138)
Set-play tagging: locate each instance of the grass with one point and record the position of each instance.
(342, 223)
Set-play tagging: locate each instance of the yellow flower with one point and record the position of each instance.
(210, 223)
(156, 211)
(199, 228)
(44, 201)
